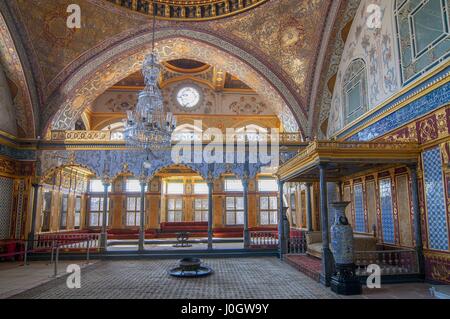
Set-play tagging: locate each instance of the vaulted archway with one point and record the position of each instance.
(23, 95)
(114, 64)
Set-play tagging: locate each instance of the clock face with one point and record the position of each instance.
(188, 97)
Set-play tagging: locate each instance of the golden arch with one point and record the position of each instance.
(102, 72)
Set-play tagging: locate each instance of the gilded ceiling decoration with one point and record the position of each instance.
(54, 44)
(248, 105)
(109, 74)
(287, 31)
(333, 56)
(189, 10)
(10, 61)
(183, 69)
(274, 45)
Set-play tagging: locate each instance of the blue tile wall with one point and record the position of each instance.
(360, 221)
(6, 190)
(387, 217)
(435, 200)
(17, 154)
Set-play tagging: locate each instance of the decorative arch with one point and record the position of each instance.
(250, 126)
(188, 126)
(188, 131)
(125, 58)
(51, 171)
(11, 61)
(112, 163)
(188, 166)
(104, 123)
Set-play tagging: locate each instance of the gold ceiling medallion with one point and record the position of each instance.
(189, 10)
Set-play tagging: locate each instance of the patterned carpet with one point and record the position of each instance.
(310, 266)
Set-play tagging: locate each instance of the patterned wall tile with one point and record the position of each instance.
(416, 109)
(19, 212)
(360, 222)
(6, 196)
(387, 218)
(435, 201)
(427, 129)
(423, 105)
(404, 210)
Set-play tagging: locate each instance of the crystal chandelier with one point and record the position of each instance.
(148, 126)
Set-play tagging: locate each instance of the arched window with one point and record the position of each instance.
(423, 30)
(116, 130)
(253, 132)
(355, 90)
(187, 132)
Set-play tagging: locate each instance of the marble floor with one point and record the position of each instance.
(16, 278)
(243, 278)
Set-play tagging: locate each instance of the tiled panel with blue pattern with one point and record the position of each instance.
(6, 193)
(387, 218)
(420, 107)
(17, 154)
(435, 201)
(408, 113)
(360, 221)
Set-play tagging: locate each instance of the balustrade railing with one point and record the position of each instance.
(263, 239)
(67, 241)
(297, 245)
(73, 136)
(391, 262)
(80, 136)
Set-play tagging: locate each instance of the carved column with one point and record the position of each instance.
(103, 235)
(36, 189)
(142, 217)
(281, 232)
(416, 213)
(210, 183)
(327, 261)
(309, 216)
(246, 231)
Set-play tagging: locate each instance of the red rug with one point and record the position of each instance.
(310, 266)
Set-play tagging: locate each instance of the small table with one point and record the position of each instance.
(183, 240)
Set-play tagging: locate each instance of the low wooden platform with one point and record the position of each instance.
(310, 266)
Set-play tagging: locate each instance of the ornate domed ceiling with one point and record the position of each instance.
(279, 48)
(189, 9)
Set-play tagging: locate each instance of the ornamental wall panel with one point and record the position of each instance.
(404, 210)
(6, 198)
(371, 205)
(387, 211)
(435, 200)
